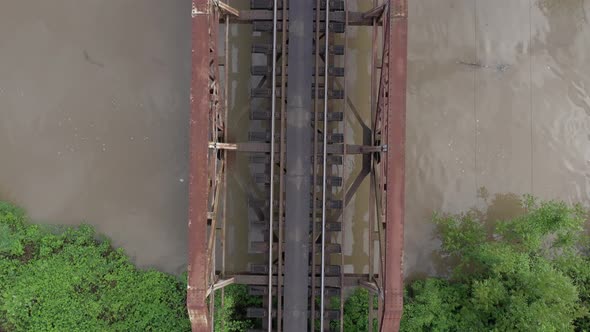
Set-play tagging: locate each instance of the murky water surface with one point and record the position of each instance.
(94, 109)
(498, 106)
(93, 119)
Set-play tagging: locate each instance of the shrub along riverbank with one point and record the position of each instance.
(71, 282)
(529, 273)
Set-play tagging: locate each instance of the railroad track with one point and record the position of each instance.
(297, 146)
(270, 77)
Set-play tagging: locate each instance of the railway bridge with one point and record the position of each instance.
(299, 103)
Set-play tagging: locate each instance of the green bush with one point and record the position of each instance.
(73, 282)
(529, 273)
(231, 317)
(356, 311)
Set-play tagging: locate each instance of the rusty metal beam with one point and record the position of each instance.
(227, 9)
(221, 285)
(372, 184)
(371, 286)
(350, 280)
(198, 181)
(336, 149)
(376, 12)
(395, 158)
(248, 16)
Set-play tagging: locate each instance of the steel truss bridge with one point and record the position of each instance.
(298, 160)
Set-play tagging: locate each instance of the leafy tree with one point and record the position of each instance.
(524, 274)
(232, 315)
(356, 311)
(73, 282)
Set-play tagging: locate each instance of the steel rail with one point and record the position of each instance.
(324, 168)
(272, 162)
(315, 164)
(345, 150)
(281, 173)
(226, 67)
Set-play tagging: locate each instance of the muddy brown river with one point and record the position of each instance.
(94, 117)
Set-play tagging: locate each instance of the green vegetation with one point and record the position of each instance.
(73, 282)
(231, 317)
(530, 273)
(356, 311)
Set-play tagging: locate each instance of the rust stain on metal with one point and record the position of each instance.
(399, 8)
(397, 31)
(198, 159)
(200, 8)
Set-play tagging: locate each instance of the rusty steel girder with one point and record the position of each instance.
(391, 122)
(206, 125)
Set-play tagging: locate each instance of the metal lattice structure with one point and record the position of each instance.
(298, 157)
